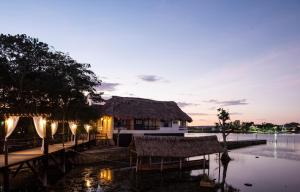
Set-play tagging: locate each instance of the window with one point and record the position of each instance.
(145, 124)
(165, 123)
(122, 123)
(182, 123)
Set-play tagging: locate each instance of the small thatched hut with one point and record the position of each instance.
(172, 147)
(128, 115)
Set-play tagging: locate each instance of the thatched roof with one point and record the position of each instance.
(129, 107)
(175, 146)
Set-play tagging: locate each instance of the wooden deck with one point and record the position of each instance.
(18, 157)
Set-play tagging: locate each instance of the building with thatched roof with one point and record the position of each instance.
(176, 147)
(172, 148)
(128, 115)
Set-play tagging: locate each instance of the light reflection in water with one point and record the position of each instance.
(87, 178)
(275, 146)
(106, 175)
(88, 183)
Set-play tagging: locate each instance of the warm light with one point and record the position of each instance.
(43, 125)
(106, 175)
(54, 126)
(87, 128)
(88, 183)
(10, 125)
(73, 127)
(40, 126)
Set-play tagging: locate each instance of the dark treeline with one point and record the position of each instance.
(35, 78)
(250, 127)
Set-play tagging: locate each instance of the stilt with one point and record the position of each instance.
(219, 168)
(45, 172)
(137, 164)
(130, 158)
(140, 161)
(204, 160)
(162, 164)
(180, 164)
(45, 146)
(6, 179)
(208, 163)
(5, 152)
(63, 161)
(89, 140)
(76, 142)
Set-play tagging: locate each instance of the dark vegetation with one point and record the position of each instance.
(36, 79)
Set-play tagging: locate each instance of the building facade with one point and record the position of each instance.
(138, 116)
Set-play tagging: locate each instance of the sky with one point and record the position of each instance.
(241, 55)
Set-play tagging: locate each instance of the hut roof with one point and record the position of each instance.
(175, 146)
(129, 107)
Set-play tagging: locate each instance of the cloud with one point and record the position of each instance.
(109, 86)
(236, 113)
(184, 104)
(199, 114)
(150, 78)
(228, 102)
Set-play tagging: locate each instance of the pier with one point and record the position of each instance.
(35, 158)
(244, 143)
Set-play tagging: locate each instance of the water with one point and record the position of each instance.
(272, 167)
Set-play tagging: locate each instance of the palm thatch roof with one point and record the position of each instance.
(138, 108)
(175, 146)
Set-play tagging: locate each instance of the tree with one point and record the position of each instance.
(226, 129)
(246, 126)
(37, 79)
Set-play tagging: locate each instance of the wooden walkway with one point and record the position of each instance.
(18, 157)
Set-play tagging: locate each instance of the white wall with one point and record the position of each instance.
(160, 130)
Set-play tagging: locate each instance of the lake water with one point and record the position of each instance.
(271, 167)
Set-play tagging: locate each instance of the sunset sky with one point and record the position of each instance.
(243, 56)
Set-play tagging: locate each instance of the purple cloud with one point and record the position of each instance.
(199, 114)
(228, 102)
(150, 78)
(109, 86)
(185, 104)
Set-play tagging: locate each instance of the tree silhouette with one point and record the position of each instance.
(37, 79)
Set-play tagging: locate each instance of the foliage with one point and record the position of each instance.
(223, 125)
(36, 79)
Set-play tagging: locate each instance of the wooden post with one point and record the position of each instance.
(5, 152)
(89, 140)
(46, 140)
(76, 142)
(150, 161)
(208, 164)
(180, 164)
(45, 171)
(130, 158)
(140, 161)
(162, 164)
(137, 164)
(219, 167)
(63, 161)
(204, 164)
(63, 131)
(6, 184)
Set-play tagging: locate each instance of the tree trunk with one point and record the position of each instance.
(225, 157)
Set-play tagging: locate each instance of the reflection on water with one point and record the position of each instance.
(272, 167)
(106, 175)
(282, 146)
